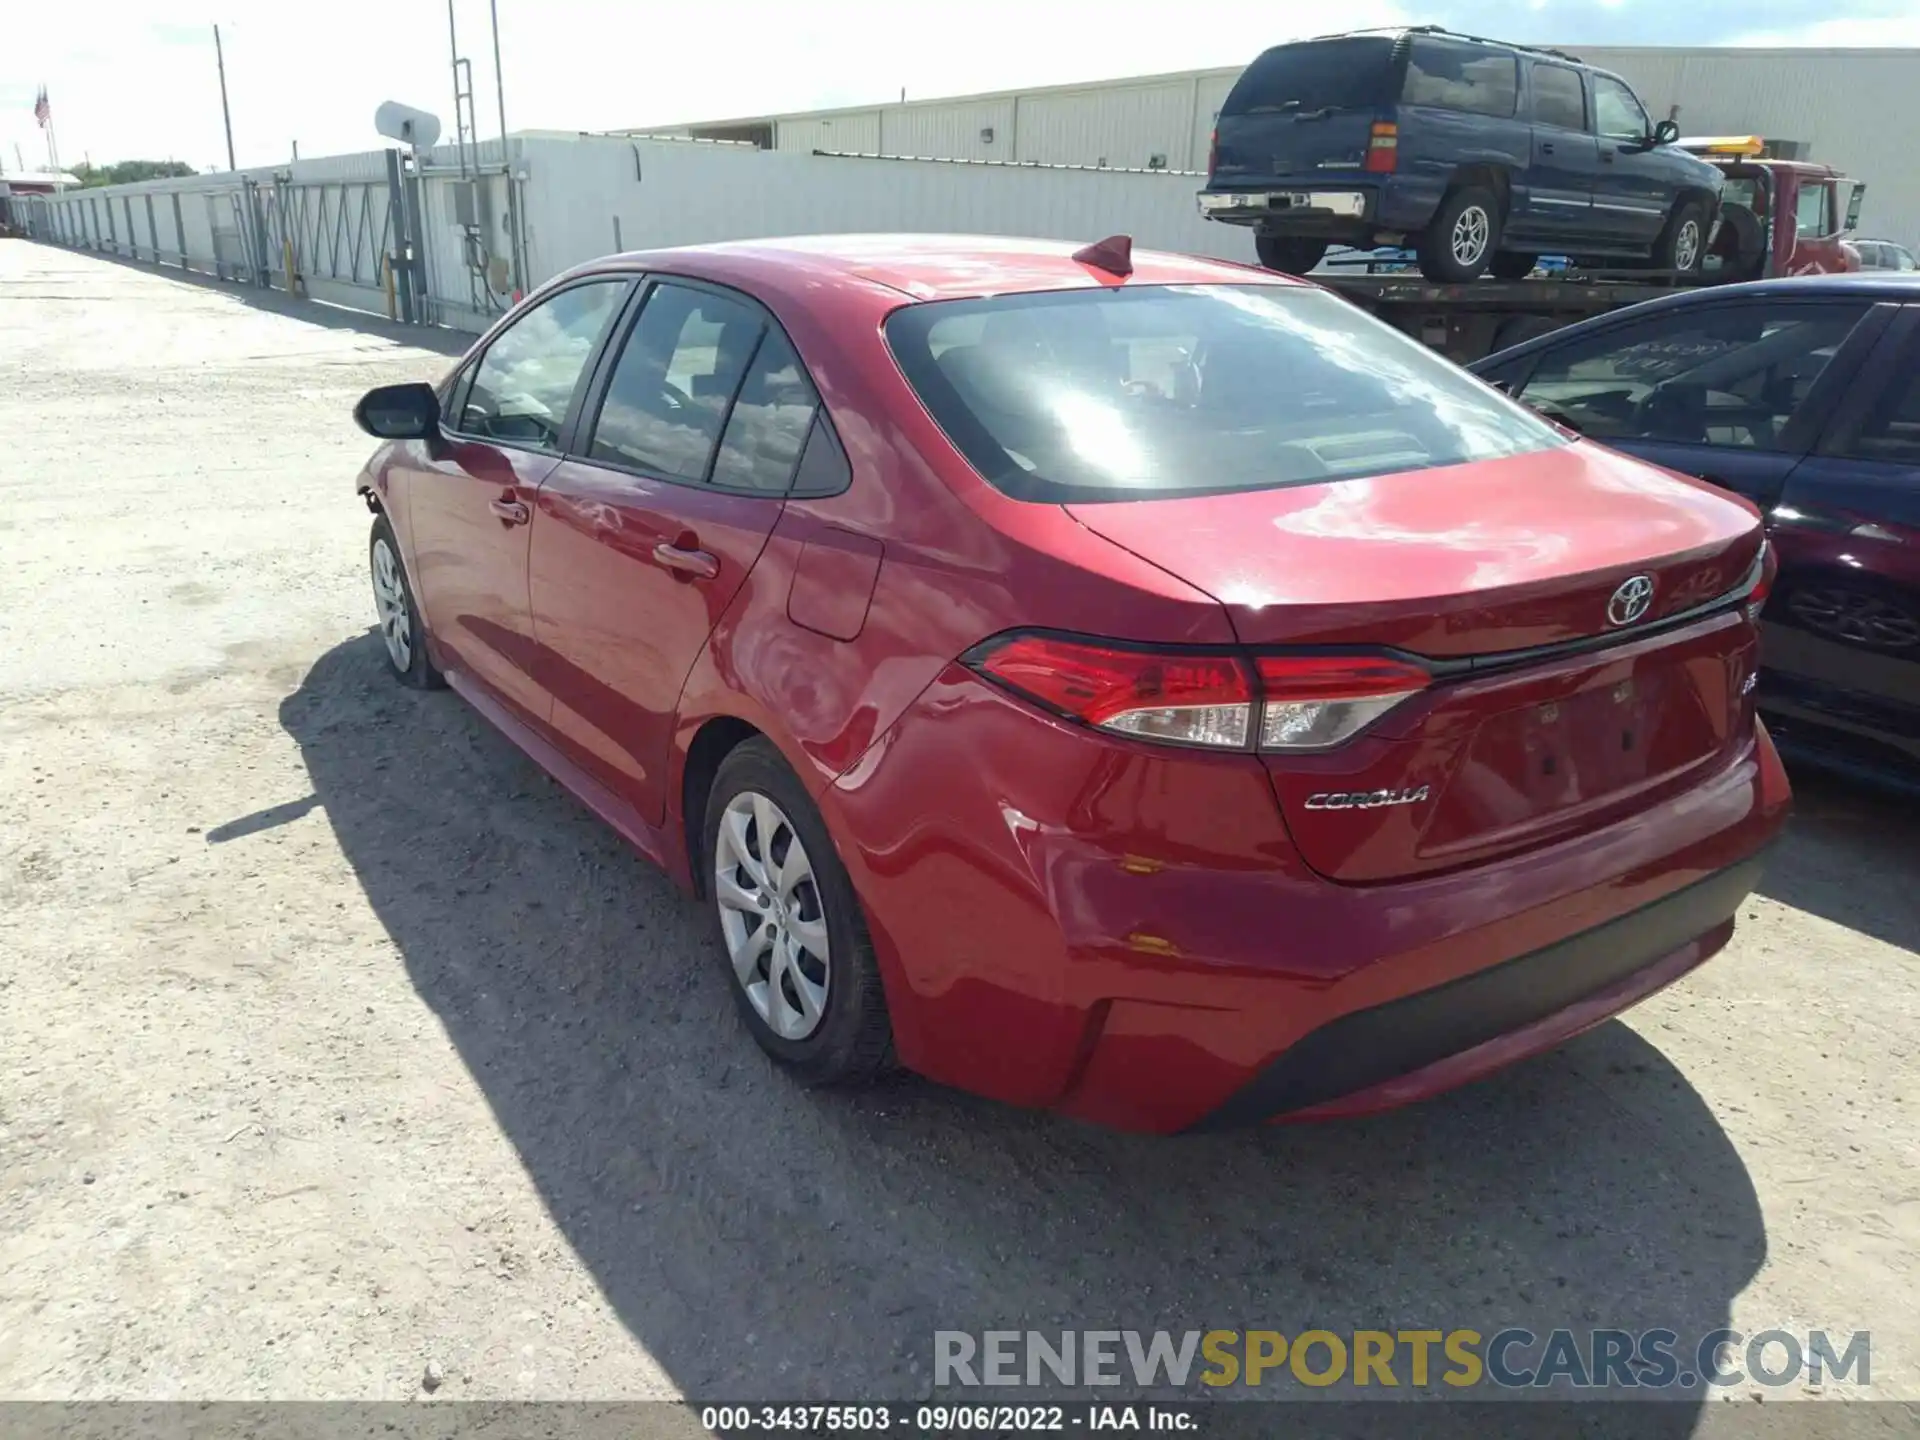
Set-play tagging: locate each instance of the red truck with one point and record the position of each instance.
(1778, 216)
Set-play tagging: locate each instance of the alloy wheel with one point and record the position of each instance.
(771, 915)
(1471, 231)
(1686, 245)
(390, 604)
(1856, 616)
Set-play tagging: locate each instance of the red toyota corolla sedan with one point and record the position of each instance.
(1133, 685)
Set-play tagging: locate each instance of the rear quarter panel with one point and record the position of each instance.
(1435, 144)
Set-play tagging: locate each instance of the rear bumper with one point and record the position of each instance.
(1433, 1040)
(1345, 211)
(1126, 934)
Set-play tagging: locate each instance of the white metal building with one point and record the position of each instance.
(1856, 109)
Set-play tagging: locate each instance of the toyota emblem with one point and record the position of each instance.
(1631, 600)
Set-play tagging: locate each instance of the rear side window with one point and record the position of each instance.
(1091, 395)
(1557, 97)
(1453, 76)
(1353, 71)
(769, 422)
(670, 390)
(1730, 375)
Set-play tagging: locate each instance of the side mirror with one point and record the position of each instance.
(399, 412)
(1666, 132)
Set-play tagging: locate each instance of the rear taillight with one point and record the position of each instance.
(1186, 699)
(1223, 702)
(1383, 147)
(1313, 702)
(1213, 150)
(1766, 565)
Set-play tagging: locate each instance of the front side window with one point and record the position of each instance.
(1557, 97)
(1813, 211)
(1616, 113)
(674, 382)
(523, 386)
(1453, 76)
(1730, 375)
(1088, 395)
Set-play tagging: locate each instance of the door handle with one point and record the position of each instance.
(687, 564)
(1606, 156)
(510, 511)
(1546, 147)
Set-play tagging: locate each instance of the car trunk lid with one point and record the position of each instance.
(1546, 712)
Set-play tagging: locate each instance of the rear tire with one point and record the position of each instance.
(792, 934)
(398, 612)
(1290, 254)
(1463, 237)
(1682, 246)
(1509, 265)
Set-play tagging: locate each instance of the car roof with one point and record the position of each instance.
(922, 267)
(1897, 286)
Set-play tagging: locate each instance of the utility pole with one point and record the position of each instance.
(220, 59)
(506, 160)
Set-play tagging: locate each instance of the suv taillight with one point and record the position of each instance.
(1216, 700)
(1213, 150)
(1383, 147)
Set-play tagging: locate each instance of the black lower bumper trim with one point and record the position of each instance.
(1387, 1041)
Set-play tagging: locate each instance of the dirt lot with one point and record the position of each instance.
(338, 1040)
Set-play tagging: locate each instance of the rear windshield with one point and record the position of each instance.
(1088, 395)
(1357, 70)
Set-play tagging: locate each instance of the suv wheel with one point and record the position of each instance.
(1463, 236)
(1683, 244)
(1291, 254)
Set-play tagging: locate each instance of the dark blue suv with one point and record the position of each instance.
(1481, 155)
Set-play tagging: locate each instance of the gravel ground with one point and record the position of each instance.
(339, 1041)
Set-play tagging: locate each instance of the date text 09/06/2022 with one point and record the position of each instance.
(943, 1419)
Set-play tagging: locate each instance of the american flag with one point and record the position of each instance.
(42, 111)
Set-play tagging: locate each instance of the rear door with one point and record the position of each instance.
(1560, 182)
(1843, 633)
(686, 451)
(470, 503)
(1633, 191)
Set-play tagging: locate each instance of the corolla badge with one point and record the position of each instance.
(1364, 799)
(1631, 600)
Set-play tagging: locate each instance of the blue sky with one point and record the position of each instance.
(134, 78)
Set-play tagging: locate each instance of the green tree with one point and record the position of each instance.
(127, 171)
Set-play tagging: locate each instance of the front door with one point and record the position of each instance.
(1561, 179)
(470, 507)
(1631, 192)
(648, 529)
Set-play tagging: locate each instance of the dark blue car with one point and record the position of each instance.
(1480, 155)
(1803, 395)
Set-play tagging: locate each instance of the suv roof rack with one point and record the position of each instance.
(1455, 35)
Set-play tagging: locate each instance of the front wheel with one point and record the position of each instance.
(398, 613)
(1290, 254)
(1463, 236)
(1683, 244)
(804, 976)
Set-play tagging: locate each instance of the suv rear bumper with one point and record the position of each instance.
(1352, 212)
(1247, 207)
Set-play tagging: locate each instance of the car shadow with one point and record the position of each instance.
(762, 1241)
(1849, 856)
(437, 339)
